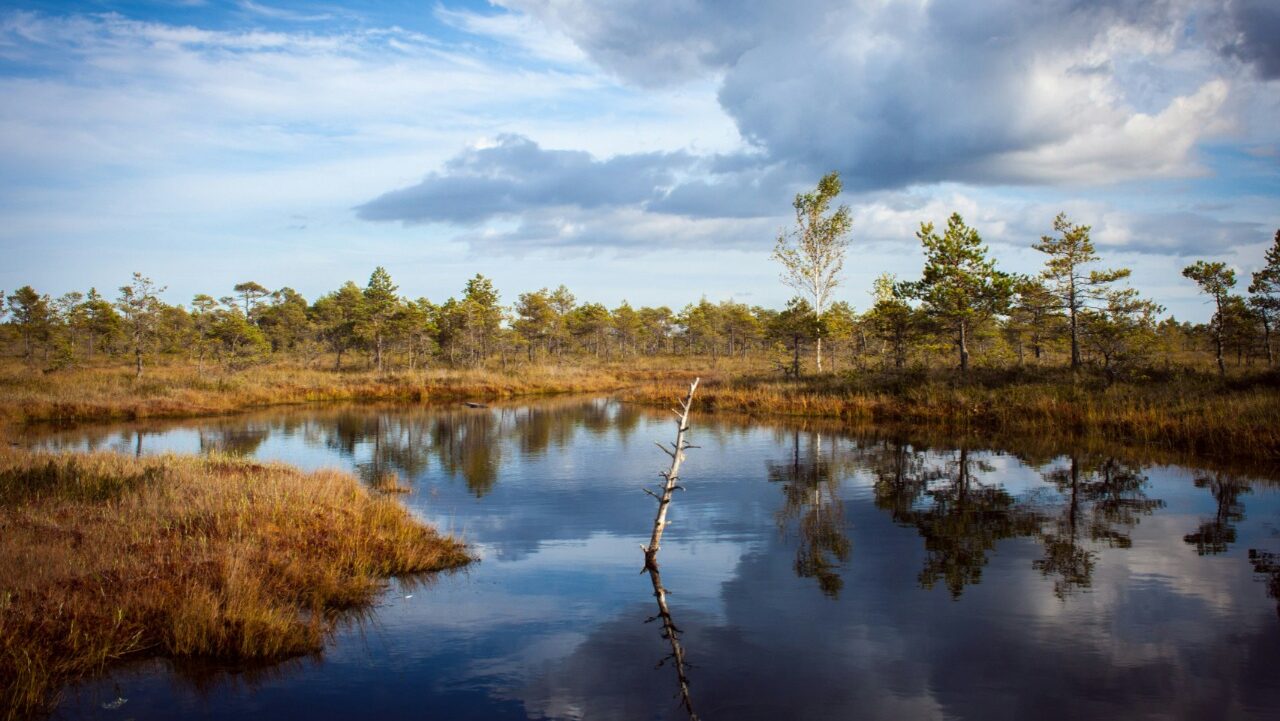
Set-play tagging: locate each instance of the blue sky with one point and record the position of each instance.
(640, 150)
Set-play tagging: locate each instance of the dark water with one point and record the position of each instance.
(811, 574)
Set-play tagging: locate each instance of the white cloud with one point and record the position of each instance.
(901, 91)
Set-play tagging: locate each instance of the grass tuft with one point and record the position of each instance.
(108, 557)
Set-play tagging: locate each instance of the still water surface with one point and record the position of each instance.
(811, 574)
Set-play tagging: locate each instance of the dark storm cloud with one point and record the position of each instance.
(1254, 35)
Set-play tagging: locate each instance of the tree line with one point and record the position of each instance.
(962, 305)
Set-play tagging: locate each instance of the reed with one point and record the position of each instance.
(107, 557)
(184, 390)
(1189, 412)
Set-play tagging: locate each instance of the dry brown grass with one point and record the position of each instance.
(107, 556)
(389, 483)
(182, 390)
(1188, 412)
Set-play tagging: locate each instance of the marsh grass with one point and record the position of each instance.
(183, 390)
(1186, 411)
(389, 482)
(1186, 408)
(107, 557)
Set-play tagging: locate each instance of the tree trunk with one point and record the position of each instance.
(1075, 330)
(964, 348)
(1266, 338)
(137, 356)
(1217, 340)
(671, 478)
(817, 352)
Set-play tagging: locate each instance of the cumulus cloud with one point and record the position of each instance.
(900, 92)
(513, 196)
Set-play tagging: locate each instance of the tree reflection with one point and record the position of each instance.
(467, 444)
(901, 476)
(671, 633)
(1268, 563)
(809, 488)
(959, 517)
(231, 439)
(538, 429)
(1102, 500)
(963, 521)
(1217, 533)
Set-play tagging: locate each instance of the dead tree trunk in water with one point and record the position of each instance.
(670, 476)
(672, 634)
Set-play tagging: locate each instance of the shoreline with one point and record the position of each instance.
(109, 558)
(1186, 411)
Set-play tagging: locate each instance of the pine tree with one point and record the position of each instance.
(140, 305)
(1265, 292)
(1215, 280)
(1067, 279)
(960, 288)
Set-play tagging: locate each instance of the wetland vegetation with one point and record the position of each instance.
(211, 554)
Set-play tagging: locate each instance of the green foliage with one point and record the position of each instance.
(285, 321)
(701, 324)
(336, 316)
(960, 301)
(481, 317)
(239, 342)
(1215, 280)
(1034, 317)
(960, 288)
(376, 321)
(99, 322)
(891, 319)
(30, 313)
(627, 326)
(812, 255)
(1265, 294)
(1123, 331)
(140, 306)
(536, 320)
(1067, 279)
(251, 294)
(590, 324)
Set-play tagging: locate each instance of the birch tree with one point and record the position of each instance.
(812, 255)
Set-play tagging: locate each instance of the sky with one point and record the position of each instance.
(645, 150)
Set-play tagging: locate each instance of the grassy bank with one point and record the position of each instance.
(106, 557)
(112, 393)
(1190, 412)
(1187, 410)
